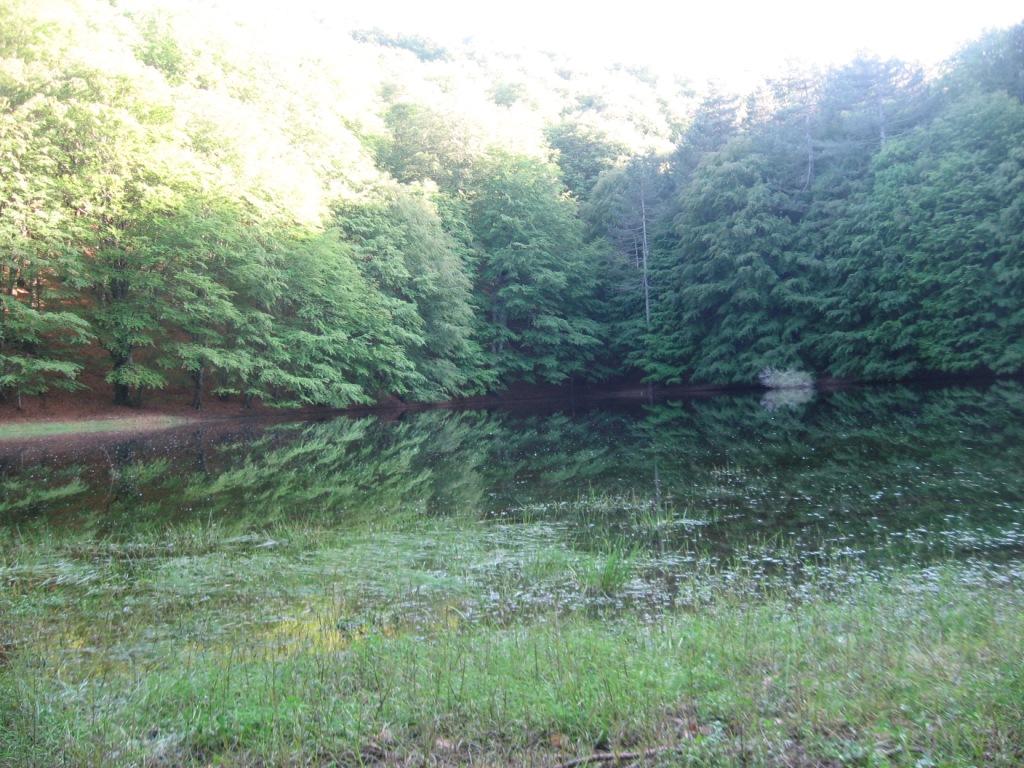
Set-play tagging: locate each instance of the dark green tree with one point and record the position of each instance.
(535, 273)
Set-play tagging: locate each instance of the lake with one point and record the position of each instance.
(493, 512)
(837, 573)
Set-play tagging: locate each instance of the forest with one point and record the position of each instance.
(190, 201)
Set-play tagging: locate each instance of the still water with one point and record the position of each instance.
(772, 487)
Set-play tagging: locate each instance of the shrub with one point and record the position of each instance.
(789, 378)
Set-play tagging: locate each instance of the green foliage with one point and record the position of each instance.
(39, 258)
(535, 273)
(366, 215)
(425, 145)
(320, 335)
(866, 225)
(960, 183)
(724, 315)
(160, 50)
(422, 49)
(991, 64)
(583, 154)
(403, 248)
(628, 209)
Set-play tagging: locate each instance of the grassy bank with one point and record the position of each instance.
(24, 430)
(208, 646)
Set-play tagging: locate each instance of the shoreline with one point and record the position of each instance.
(50, 417)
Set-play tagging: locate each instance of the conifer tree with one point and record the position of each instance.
(535, 274)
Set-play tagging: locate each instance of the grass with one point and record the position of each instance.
(457, 642)
(31, 429)
(607, 573)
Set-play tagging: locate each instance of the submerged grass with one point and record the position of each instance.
(456, 642)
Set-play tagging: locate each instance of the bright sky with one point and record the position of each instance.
(736, 43)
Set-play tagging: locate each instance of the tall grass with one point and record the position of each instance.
(894, 674)
(606, 574)
(460, 643)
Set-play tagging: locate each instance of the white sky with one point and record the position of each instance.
(736, 43)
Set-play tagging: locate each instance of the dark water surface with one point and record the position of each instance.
(886, 475)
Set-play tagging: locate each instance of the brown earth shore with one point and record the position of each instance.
(75, 417)
(91, 412)
(93, 404)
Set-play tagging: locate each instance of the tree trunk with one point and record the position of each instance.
(499, 317)
(122, 395)
(122, 392)
(881, 123)
(645, 252)
(197, 388)
(810, 151)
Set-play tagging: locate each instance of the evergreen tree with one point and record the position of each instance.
(627, 208)
(535, 274)
(423, 144)
(932, 279)
(723, 311)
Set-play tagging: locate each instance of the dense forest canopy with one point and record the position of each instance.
(189, 200)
